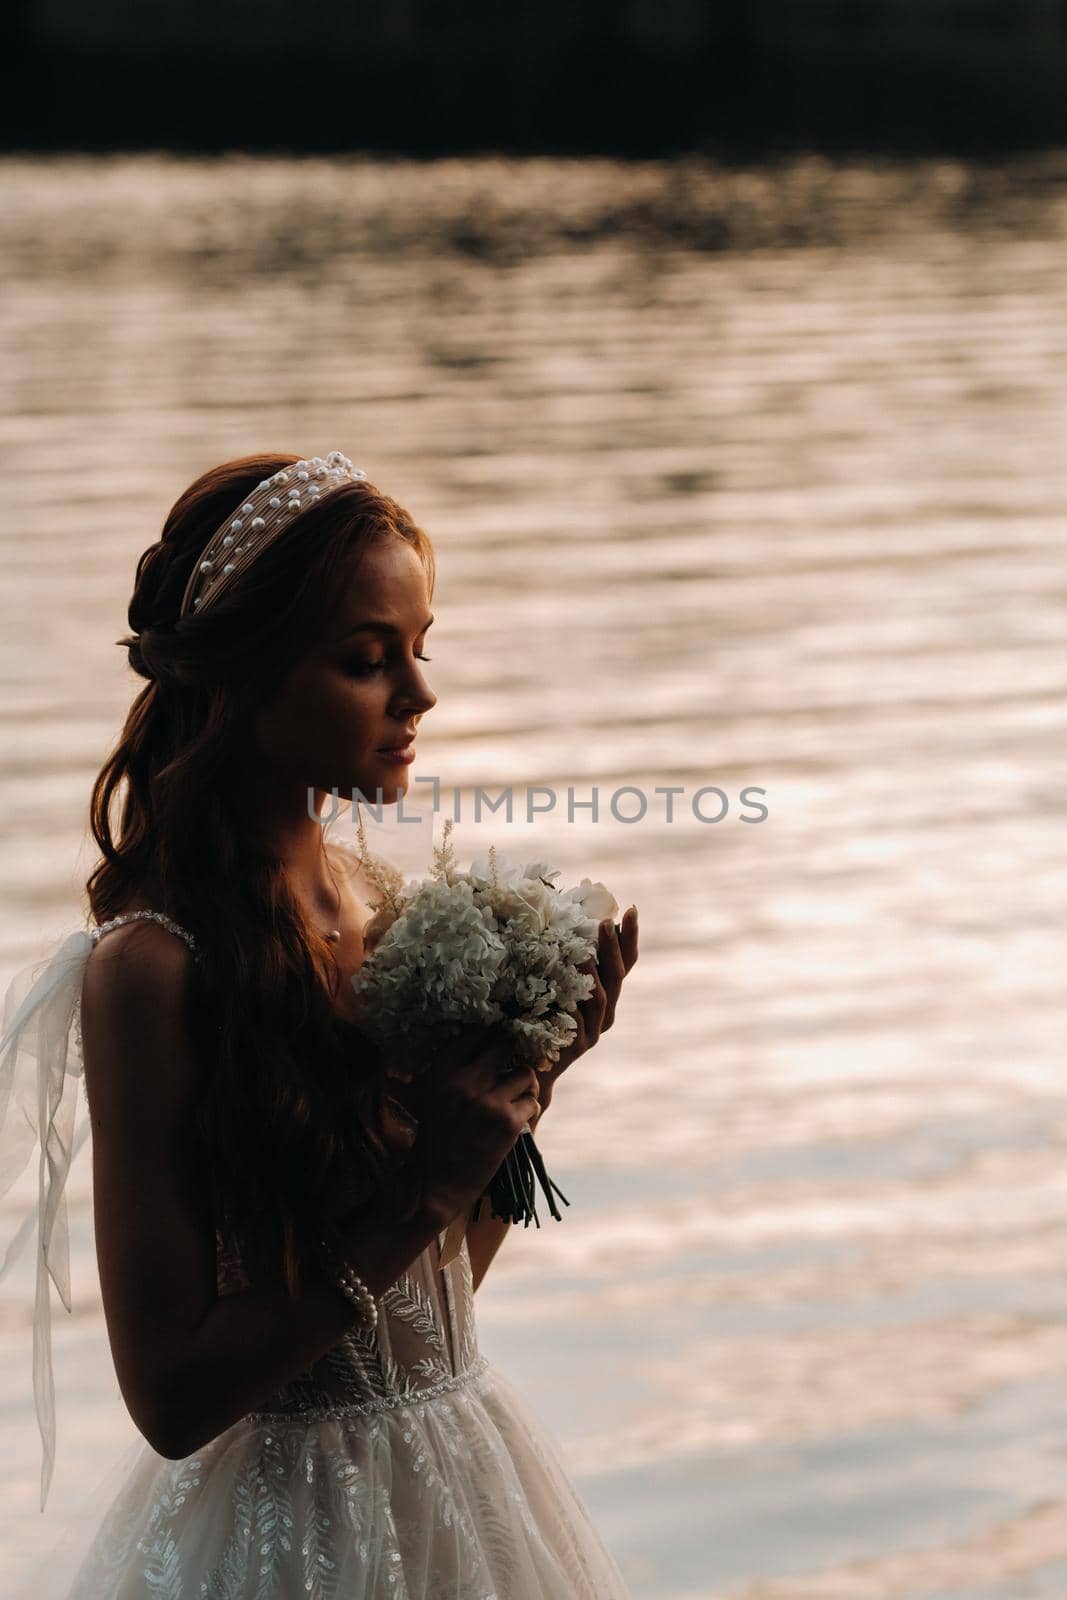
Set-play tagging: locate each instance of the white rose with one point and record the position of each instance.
(530, 903)
(596, 901)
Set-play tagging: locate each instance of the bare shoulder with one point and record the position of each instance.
(142, 958)
(135, 1000)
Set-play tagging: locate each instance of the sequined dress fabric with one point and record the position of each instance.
(402, 1465)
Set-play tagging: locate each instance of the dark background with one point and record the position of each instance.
(636, 77)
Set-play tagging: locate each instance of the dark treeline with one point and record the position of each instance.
(624, 77)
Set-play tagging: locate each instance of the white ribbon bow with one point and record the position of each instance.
(39, 1076)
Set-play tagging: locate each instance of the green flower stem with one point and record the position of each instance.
(512, 1192)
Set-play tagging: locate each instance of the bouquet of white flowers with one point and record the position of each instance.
(497, 944)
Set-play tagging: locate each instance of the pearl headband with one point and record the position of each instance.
(268, 511)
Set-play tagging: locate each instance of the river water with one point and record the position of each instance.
(738, 481)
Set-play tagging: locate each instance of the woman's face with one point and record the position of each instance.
(361, 692)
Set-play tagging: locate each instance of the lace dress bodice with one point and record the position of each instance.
(424, 1342)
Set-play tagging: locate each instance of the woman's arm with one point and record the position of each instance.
(484, 1239)
(189, 1362)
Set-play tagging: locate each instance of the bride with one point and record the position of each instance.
(317, 1418)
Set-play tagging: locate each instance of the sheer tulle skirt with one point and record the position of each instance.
(460, 1496)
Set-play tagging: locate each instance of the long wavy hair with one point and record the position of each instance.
(294, 1118)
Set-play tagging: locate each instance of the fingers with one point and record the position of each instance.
(627, 938)
(597, 1002)
(473, 1061)
(497, 1064)
(608, 970)
(616, 954)
(524, 1085)
(612, 970)
(619, 956)
(528, 1103)
(516, 1097)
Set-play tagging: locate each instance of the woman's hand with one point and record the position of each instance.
(616, 954)
(471, 1105)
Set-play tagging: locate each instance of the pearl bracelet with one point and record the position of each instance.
(353, 1288)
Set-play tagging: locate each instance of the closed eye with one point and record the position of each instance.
(364, 668)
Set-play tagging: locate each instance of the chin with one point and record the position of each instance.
(393, 788)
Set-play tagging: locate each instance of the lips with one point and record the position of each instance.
(401, 744)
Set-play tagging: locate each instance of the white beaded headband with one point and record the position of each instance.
(267, 512)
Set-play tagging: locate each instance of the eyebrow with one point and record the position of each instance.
(381, 627)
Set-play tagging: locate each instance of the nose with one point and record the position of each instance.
(420, 697)
(423, 701)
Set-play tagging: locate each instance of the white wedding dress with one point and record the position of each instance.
(402, 1464)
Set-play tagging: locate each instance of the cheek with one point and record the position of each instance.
(356, 707)
(329, 716)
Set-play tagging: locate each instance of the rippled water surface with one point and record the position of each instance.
(746, 480)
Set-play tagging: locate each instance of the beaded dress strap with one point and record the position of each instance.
(155, 916)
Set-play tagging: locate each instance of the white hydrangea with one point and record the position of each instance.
(499, 943)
